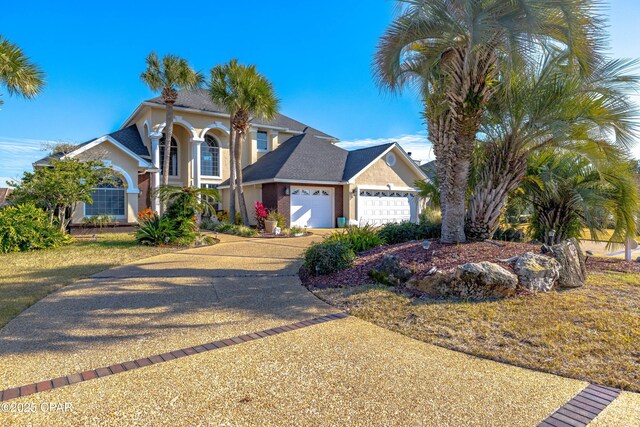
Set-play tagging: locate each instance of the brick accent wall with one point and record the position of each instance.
(274, 198)
(144, 185)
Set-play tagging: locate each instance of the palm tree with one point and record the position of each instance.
(246, 95)
(568, 193)
(192, 199)
(168, 76)
(451, 51)
(18, 74)
(548, 105)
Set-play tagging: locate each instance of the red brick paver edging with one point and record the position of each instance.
(25, 390)
(583, 408)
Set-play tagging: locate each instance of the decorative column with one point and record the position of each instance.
(155, 176)
(253, 147)
(197, 144)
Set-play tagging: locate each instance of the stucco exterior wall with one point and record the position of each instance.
(381, 174)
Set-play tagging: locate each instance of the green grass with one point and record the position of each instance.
(27, 277)
(590, 333)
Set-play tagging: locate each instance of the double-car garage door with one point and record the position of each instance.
(377, 207)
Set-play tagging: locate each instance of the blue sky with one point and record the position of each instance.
(317, 54)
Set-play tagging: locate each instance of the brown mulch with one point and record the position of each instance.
(445, 258)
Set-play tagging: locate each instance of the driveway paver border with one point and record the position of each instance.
(25, 390)
(583, 408)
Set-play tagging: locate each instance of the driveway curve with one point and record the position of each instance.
(342, 372)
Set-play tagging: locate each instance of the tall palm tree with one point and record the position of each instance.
(246, 95)
(452, 50)
(168, 75)
(549, 105)
(568, 193)
(18, 74)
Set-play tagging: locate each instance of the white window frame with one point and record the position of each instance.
(204, 143)
(260, 150)
(177, 171)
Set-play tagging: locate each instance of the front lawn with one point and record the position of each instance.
(591, 333)
(26, 277)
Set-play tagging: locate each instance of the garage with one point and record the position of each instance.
(377, 207)
(312, 207)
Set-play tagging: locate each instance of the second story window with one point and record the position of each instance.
(210, 157)
(263, 143)
(173, 157)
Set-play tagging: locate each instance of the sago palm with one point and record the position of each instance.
(567, 194)
(18, 74)
(547, 105)
(452, 50)
(168, 75)
(246, 95)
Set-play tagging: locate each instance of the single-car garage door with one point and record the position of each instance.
(377, 207)
(312, 207)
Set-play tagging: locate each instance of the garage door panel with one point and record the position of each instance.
(312, 207)
(381, 207)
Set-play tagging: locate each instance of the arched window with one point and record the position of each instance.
(173, 157)
(210, 157)
(108, 199)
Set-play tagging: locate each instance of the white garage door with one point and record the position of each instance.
(377, 207)
(312, 207)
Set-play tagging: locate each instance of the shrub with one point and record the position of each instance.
(26, 227)
(509, 235)
(261, 214)
(238, 220)
(358, 239)
(99, 221)
(393, 233)
(182, 214)
(294, 230)
(156, 231)
(328, 257)
(209, 224)
(278, 217)
(226, 228)
(223, 216)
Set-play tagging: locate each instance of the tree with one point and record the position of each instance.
(59, 187)
(168, 76)
(568, 193)
(452, 51)
(18, 74)
(246, 95)
(544, 105)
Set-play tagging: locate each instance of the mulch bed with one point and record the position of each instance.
(445, 258)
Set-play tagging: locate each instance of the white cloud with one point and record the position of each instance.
(17, 156)
(416, 144)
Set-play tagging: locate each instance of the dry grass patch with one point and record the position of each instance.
(591, 333)
(27, 277)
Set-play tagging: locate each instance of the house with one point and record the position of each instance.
(4, 194)
(289, 166)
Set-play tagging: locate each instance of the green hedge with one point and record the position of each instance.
(26, 227)
(328, 257)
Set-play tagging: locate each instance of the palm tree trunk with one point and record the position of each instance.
(168, 134)
(238, 159)
(232, 174)
(505, 168)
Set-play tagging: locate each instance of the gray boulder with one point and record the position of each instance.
(469, 281)
(573, 271)
(390, 271)
(538, 273)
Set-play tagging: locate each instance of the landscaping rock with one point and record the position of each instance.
(573, 271)
(538, 273)
(390, 271)
(469, 281)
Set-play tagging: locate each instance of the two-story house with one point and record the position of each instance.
(289, 166)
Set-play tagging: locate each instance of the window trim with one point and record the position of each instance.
(261, 150)
(177, 171)
(118, 217)
(219, 147)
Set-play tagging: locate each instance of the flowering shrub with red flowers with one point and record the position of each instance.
(261, 214)
(146, 214)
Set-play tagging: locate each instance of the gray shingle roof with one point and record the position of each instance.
(129, 137)
(429, 169)
(199, 100)
(359, 159)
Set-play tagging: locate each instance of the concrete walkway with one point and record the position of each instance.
(343, 372)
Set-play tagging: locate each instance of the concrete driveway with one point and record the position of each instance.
(340, 372)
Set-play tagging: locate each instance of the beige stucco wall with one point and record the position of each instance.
(349, 203)
(252, 194)
(108, 152)
(381, 174)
